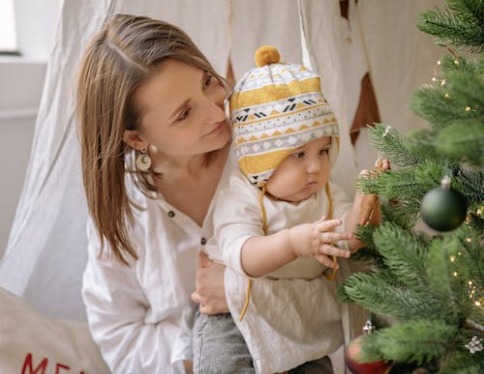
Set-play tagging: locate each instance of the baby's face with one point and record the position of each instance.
(302, 173)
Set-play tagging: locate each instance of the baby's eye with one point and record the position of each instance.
(299, 154)
(324, 151)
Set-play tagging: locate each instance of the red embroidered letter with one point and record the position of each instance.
(28, 363)
(60, 366)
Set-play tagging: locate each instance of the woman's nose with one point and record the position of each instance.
(215, 108)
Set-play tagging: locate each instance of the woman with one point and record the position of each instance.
(155, 146)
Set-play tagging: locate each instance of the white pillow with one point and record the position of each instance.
(32, 343)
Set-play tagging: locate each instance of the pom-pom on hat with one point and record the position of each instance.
(276, 108)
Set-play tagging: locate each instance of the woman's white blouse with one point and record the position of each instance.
(141, 316)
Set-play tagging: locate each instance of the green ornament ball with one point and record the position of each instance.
(443, 209)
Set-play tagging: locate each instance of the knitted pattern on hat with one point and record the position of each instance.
(276, 108)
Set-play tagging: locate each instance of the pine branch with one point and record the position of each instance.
(460, 362)
(440, 276)
(464, 27)
(391, 144)
(404, 253)
(480, 65)
(404, 214)
(470, 182)
(454, 62)
(369, 252)
(468, 265)
(462, 141)
(466, 90)
(391, 184)
(418, 341)
(431, 104)
(374, 293)
(421, 143)
(468, 9)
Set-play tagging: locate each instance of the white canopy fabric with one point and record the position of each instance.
(379, 37)
(46, 252)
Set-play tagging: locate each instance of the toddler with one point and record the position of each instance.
(281, 227)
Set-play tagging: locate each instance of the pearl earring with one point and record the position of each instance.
(143, 161)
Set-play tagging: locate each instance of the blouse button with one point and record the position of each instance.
(203, 241)
(171, 214)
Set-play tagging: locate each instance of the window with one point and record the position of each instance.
(8, 37)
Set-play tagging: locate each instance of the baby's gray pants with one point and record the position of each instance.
(219, 348)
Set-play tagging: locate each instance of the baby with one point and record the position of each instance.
(281, 225)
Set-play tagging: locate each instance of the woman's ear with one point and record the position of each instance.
(131, 138)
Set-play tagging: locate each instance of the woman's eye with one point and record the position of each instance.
(299, 154)
(324, 151)
(184, 115)
(208, 80)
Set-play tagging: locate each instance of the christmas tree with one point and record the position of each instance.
(425, 284)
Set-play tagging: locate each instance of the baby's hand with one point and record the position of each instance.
(316, 239)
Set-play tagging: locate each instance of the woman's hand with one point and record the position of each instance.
(210, 291)
(316, 240)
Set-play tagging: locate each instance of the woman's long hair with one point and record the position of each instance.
(123, 55)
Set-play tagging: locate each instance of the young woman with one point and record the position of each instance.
(155, 146)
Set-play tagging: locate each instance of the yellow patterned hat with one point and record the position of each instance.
(276, 108)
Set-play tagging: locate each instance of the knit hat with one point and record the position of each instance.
(276, 108)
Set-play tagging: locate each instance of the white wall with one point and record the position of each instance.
(20, 92)
(36, 23)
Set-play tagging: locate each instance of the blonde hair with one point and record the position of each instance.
(123, 54)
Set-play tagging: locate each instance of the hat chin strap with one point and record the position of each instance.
(333, 151)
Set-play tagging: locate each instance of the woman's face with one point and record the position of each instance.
(181, 111)
(302, 173)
